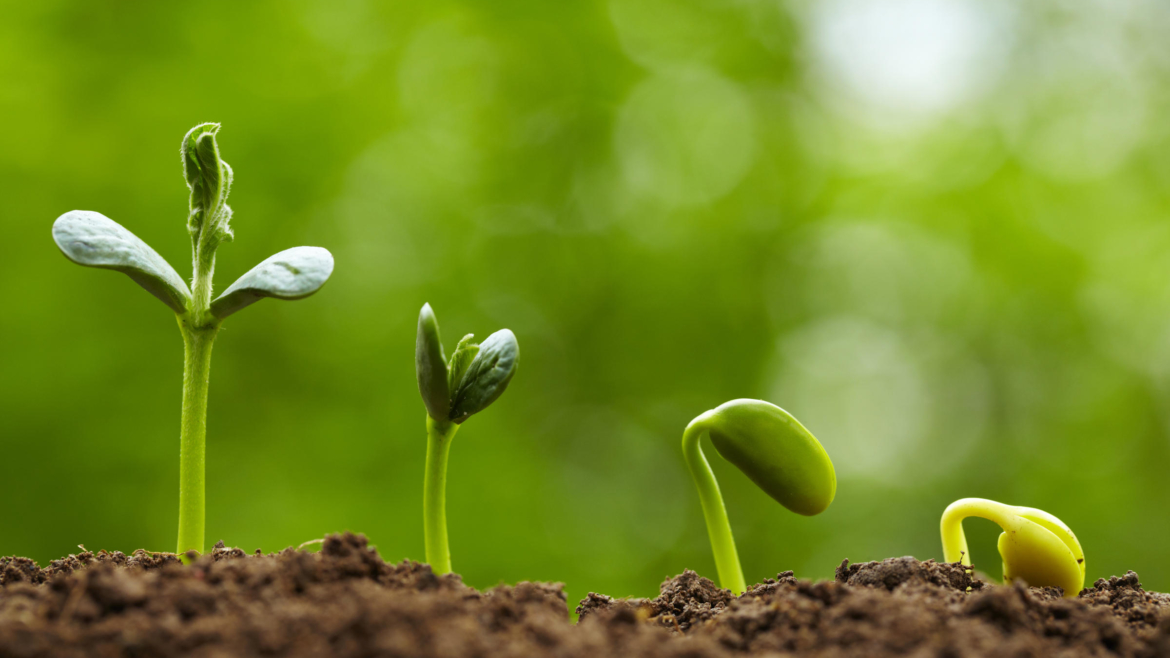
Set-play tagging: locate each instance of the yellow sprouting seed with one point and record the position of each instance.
(1036, 547)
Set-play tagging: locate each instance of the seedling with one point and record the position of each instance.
(1035, 546)
(775, 451)
(453, 390)
(91, 239)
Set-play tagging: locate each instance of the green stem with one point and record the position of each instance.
(203, 258)
(197, 343)
(718, 527)
(439, 436)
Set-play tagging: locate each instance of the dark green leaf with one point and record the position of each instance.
(487, 376)
(430, 366)
(92, 239)
(292, 274)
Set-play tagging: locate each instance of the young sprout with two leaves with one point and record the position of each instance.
(775, 451)
(1035, 546)
(91, 239)
(452, 390)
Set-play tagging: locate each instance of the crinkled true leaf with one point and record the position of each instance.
(464, 354)
(92, 239)
(210, 180)
(291, 274)
(430, 366)
(487, 376)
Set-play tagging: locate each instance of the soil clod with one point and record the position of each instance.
(893, 572)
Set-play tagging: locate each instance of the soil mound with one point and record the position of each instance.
(345, 601)
(901, 607)
(683, 601)
(342, 601)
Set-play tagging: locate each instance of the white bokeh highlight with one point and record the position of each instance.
(905, 61)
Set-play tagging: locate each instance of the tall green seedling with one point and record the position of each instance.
(91, 239)
(775, 451)
(453, 390)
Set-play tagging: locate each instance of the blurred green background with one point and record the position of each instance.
(936, 231)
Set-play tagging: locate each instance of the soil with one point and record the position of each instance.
(344, 601)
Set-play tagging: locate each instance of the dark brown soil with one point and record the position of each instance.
(345, 602)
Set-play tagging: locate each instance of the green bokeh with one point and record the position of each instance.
(938, 233)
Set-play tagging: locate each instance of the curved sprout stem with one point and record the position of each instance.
(954, 540)
(718, 526)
